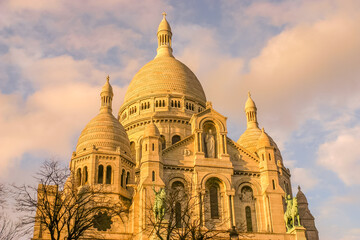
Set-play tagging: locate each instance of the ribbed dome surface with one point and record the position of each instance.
(105, 132)
(165, 75)
(249, 139)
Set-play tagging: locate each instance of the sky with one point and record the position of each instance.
(299, 59)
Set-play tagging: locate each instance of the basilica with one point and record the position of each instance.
(167, 134)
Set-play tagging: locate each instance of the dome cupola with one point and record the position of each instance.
(164, 35)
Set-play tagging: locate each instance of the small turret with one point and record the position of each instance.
(264, 140)
(151, 167)
(106, 96)
(164, 36)
(251, 113)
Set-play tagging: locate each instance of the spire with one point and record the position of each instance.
(106, 96)
(251, 113)
(164, 36)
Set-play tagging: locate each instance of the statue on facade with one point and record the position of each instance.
(292, 213)
(210, 144)
(159, 203)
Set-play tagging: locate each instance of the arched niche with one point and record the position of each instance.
(210, 140)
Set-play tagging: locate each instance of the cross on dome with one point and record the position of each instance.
(164, 14)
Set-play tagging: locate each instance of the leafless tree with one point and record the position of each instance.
(61, 208)
(182, 220)
(8, 227)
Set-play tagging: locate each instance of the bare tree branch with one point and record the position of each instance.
(60, 208)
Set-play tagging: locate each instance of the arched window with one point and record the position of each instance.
(108, 175)
(127, 179)
(78, 177)
(100, 174)
(163, 142)
(248, 219)
(85, 175)
(122, 178)
(153, 176)
(214, 202)
(175, 139)
(178, 214)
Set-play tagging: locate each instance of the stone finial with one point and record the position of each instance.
(164, 14)
(208, 104)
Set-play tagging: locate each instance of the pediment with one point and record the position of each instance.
(180, 151)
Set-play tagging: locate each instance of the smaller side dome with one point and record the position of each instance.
(151, 130)
(249, 102)
(264, 140)
(104, 131)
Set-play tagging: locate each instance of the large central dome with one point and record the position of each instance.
(164, 92)
(165, 75)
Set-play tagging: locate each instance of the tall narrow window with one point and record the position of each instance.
(248, 219)
(78, 177)
(163, 142)
(108, 175)
(269, 157)
(100, 174)
(273, 182)
(127, 178)
(122, 178)
(153, 147)
(214, 203)
(178, 214)
(153, 176)
(85, 175)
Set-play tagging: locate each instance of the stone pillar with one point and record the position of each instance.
(299, 233)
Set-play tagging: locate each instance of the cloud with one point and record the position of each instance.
(65, 97)
(306, 178)
(342, 155)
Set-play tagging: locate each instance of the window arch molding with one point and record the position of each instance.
(225, 183)
(176, 135)
(252, 184)
(219, 125)
(177, 179)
